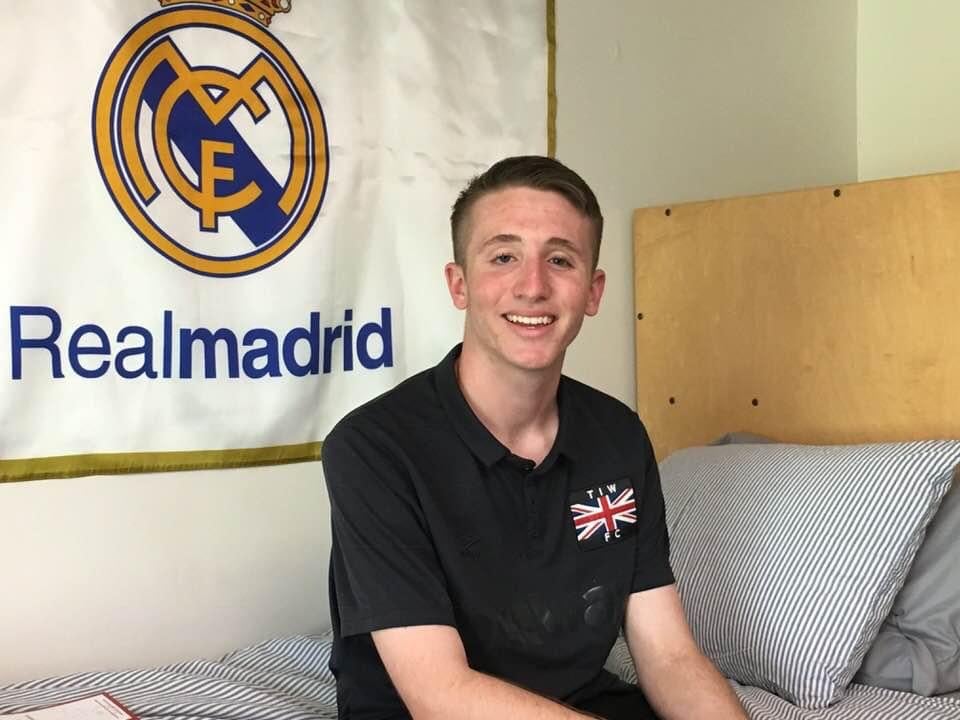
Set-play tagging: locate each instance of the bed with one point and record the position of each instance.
(288, 679)
(283, 678)
(815, 553)
(823, 322)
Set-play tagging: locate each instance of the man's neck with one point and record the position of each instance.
(518, 407)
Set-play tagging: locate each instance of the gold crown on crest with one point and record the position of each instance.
(260, 10)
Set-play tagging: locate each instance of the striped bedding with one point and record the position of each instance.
(789, 557)
(288, 679)
(277, 679)
(859, 702)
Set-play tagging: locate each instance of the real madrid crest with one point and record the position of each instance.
(209, 137)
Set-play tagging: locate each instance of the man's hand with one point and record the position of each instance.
(428, 667)
(677, 679)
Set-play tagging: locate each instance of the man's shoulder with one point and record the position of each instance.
(407, 402)
(587, 398)
(603, 419)
(389, 432)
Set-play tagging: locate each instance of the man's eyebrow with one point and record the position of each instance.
(502, 238)
(514, 239)
(565, 244)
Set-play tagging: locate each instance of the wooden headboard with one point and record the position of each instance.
(829, 315)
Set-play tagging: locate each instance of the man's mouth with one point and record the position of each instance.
(530, 320)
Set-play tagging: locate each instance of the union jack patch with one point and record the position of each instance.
(604, 514)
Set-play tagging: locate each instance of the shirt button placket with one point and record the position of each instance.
(530, 492)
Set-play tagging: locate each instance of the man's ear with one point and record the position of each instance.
(597, 283)
(456, 284)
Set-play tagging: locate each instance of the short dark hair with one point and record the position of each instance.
(526, 171)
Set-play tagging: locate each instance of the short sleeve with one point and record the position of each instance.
(652, 567)
(384, 566)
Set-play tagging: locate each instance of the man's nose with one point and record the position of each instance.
(533, 281)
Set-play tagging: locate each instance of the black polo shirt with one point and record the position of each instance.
(435, 522)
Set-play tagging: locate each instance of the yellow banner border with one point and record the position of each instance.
(70, 466)
(551, 78)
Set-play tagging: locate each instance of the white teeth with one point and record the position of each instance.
(526, 320)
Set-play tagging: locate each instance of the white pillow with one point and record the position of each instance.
(789, 557)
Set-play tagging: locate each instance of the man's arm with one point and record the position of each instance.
(428, 667)
(388, 576)
(677, 679)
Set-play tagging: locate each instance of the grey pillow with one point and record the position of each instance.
(918, 647)
(789, 557)
(743, 438)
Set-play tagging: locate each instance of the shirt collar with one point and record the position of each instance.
(478, 438)
(572, 432)
(467, 425)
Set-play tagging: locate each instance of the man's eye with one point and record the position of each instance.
(502, 258)
(562, 261)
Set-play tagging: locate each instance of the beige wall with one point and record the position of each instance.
(691, 99)
(908, 99)
(657, 102)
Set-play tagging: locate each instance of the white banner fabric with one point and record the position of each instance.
(227, 220)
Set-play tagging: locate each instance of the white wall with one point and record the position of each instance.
(135, 570)
(909, 73)
(664, 102)
(658, 102)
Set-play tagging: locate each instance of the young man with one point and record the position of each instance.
(496, 523)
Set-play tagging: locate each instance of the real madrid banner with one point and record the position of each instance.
(225, 222)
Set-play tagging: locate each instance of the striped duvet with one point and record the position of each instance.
(288, 679)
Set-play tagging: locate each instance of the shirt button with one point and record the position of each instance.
(528, 465)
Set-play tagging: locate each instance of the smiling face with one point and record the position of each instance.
(527, 279)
